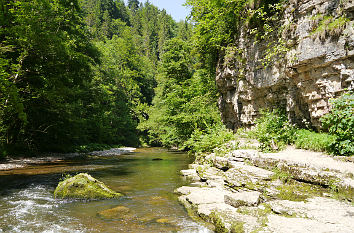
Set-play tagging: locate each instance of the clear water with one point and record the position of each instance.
(27, 203)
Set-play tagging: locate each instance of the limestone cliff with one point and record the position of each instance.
(317, 65)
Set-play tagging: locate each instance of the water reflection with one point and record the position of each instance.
(147, 178)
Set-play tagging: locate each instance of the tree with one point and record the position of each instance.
(185, 100)
(133, 4)
(51, 66)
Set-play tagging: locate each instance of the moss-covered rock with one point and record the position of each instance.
(84, 186)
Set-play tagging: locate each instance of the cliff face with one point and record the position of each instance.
(317, 65)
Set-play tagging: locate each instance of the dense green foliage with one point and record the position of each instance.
(185, 98)
(310, 140)
(77, 75)
(47, 67)
(209, 139)
(81, 75)
(340, 122)
(218, 24)
(273, 130)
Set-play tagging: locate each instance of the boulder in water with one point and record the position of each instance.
(84, 186)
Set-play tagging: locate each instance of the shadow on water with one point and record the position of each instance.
(147, 178)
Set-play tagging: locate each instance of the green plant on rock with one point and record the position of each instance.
(281, 175)
(226, 148)
(340, 123)
(237, 227)
(274, 130)
(218, 223)
(328, 25)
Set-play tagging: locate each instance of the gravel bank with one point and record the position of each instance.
(17, 163)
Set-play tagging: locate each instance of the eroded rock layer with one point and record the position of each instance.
(292, 191)
(317, 65)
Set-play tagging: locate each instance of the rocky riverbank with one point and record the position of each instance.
(11, 163)
(291, 191)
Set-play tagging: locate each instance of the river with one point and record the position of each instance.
(146, 177)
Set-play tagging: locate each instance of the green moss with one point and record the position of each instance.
(338, 23)
(201, 171)
(256, 186)
(263, 214)
(328, 24)
(289, 193)
(340, 193)
(245, 210)
(299, 191)
(218, 223)
(260, 213)
(237, 227)
(281, 175)
(84, 186)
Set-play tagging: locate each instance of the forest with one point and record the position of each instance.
(81, 75)
(84, 74)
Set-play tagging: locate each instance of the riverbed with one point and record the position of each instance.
(146, 177)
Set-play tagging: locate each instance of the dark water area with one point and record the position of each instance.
(146, 177)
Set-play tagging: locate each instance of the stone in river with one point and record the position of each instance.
(84, 186)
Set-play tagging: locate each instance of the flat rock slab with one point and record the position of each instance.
(310, 159)
(190, 174)
(206, 196)
(254, 171)
(246, 198)
(209, 173)
(330, 215)
(313, 167)
(281, 224)
(228, 215)
(185, 190)
(245, 176)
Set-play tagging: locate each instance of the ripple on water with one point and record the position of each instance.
(35, 210)
(148, 186)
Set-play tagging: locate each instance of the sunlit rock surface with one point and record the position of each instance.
(318, 65)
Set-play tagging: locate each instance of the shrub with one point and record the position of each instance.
(309, 140)
(273, 130)
(206, 141)
(340, 122)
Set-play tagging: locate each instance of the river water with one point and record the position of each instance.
(149, 205)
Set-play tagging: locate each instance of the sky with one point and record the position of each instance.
(173, 7)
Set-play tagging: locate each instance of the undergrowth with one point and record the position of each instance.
(274, 131)
(206, 141)
(340, 123)
(310, 140)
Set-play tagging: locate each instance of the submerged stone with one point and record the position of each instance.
(116, 213)
(84, 186)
